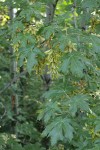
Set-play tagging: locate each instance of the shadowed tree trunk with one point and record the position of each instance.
(50, 11)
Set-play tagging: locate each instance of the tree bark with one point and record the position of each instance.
(50, 10)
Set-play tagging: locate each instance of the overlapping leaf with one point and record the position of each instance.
(78, 102)
(73, 63)
(58, 130)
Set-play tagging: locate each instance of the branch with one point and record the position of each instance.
(12, 81)
(74, 14)
(4, 113)
(51, 6)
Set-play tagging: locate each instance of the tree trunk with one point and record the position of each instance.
(50, 11)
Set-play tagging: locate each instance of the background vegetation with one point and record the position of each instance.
(49, 75)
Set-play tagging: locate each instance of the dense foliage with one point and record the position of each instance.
(49, 75)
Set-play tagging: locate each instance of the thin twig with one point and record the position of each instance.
(12, 81)
(4, 113)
